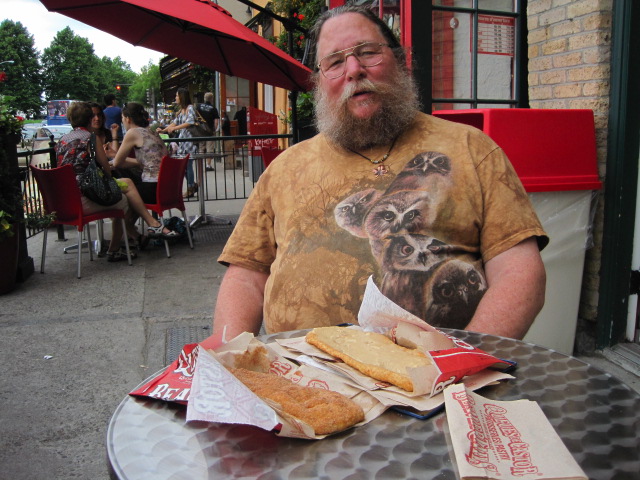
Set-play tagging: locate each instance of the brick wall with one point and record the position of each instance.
(569, 65)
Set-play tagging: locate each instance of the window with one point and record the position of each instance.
(476, 59)
(236, 94)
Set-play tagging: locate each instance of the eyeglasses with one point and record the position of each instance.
(368, 54)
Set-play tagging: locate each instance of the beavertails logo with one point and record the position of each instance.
(187, 363)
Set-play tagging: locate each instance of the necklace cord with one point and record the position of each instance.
(384, 157)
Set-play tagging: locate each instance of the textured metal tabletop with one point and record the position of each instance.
(596, 415)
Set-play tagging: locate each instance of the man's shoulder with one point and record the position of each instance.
(454, 131)
(432, 122)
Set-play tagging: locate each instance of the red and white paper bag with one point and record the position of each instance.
(496, 440)
(174, 383)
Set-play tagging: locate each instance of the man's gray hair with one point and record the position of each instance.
(208, 98)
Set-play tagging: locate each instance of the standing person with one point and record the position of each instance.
(431, 209)
(185, 118)
(227, 145)
(241, 118)
(113, 114)
(73, 149)
(210, 114)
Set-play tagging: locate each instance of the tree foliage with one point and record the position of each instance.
(67, 69)
(71, 68)
(149, 78)
(115, 72)
(23, 83)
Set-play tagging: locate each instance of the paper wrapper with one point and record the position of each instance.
(217, 396)
(174, 384)
(498, 440)
(452, 358)
(299, 350)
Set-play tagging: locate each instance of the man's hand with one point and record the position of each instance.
(517, 282)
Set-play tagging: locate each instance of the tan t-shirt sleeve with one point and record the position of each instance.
(506, 203)
(252, 244)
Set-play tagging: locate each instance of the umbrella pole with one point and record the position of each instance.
(293, 96)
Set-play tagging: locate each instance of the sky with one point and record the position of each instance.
(44, 25)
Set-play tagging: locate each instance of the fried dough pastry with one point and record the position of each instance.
(373, 354)
(326, 411)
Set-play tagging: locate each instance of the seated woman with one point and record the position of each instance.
(148, 146)
(109, 137)
(73, 149)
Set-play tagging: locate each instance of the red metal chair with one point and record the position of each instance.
(60, 194)
(269, 154)
(169, 192)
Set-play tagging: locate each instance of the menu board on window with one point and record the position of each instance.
(496, 35)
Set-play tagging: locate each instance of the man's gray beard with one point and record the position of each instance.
(397, 111)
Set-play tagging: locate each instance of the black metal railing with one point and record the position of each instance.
(236, 165)
(31, 201)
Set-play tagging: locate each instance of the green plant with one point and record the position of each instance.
(10, 194)
(6, 225)
(304, 107)
(304, 13)
(8, 120)
(38, 220)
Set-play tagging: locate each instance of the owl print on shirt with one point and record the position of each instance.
(420, 272)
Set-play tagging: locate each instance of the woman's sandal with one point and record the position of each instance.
(158, 232)
(119, 255)
(139, 243)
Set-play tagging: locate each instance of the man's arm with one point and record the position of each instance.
(239, 305)
(516, 280)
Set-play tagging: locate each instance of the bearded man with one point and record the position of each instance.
(432, 210)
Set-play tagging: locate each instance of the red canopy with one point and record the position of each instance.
(195, 30)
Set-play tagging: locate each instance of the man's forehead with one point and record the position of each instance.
(345, 31)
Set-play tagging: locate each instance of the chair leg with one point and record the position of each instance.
(186, 222)
(166, 242)
(44, 250)
(126, 241)
(80, 253)
(89, 242)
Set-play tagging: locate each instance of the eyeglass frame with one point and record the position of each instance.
(380, 44)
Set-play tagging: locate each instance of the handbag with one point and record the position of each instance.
(200, 128)
(95, 185)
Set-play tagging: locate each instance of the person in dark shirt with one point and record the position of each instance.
(210, 114)
(113, 114)
(241, 118)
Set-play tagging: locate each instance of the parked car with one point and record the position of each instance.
(57, 130)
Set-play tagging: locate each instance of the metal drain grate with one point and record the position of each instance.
(178, 337)
(217, 230)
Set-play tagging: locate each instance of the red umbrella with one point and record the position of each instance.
(195, 30)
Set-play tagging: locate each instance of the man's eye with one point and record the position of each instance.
(367, 51)
(333, 62)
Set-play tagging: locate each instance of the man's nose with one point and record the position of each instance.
(353, 67)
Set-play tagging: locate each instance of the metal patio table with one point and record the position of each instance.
(596, 415)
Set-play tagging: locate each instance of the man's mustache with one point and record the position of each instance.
(350, 90)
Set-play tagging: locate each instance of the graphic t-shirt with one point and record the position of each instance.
(74, 149)
(321, 220)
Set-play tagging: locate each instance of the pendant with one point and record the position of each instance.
(380, 170)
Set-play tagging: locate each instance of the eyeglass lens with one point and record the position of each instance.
(368, 54)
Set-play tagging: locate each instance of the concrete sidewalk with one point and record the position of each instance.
(73, 348)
